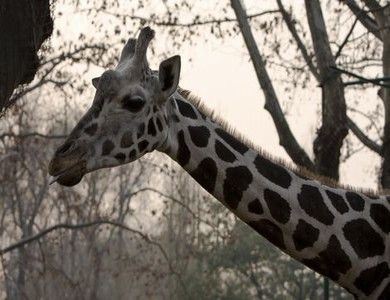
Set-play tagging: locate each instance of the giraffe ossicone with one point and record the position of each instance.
(339, 233)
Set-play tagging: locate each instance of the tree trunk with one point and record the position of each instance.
(384, 24)
(334, 126)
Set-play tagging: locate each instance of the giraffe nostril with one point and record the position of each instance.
(66, 148)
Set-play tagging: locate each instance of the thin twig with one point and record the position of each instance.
(365, 140)
(173, 199)
(190, 24)
(32, 134)
(290, 25)
(346, 39)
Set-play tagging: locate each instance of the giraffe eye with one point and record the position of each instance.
(133, 104)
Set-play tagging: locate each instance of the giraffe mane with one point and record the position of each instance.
(301, 171)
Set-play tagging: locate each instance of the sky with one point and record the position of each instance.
(221, 74)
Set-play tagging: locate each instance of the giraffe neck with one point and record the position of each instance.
(338, 233)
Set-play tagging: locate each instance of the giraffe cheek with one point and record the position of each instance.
(132, 155)
(126, 140)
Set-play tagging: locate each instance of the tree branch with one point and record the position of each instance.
(33, 134)
(51, 64)
(46, 231)
(345, 39)
(290, 25)
(379, 14)
(365, 140)
(372, 5)
(369, 23)
(196, 22)
(66, 55)
(30, 88)
(287, 139)
(173, 199)
(375, 81)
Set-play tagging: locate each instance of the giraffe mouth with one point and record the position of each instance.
(70, 176)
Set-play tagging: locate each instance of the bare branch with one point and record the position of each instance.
(46, 231)
(375, 81)
(287, 139)
(369, 23)
(66, 55)
(290, 25)
(363, 138)
(189, 24)
(369, 119)
(31, 88)
(173, 199)
(372, 5)
(51, 64)
(33, 134)
(346, 39)
(379, 12)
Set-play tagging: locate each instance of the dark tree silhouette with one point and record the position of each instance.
(25, 25)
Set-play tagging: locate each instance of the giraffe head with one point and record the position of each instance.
(127, 118)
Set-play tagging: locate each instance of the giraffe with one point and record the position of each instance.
(340, 233)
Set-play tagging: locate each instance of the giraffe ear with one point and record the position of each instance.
(169, 73)
(95, 82)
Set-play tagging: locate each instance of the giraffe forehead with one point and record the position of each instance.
(112, 81)
(109, 81)
(110, 97)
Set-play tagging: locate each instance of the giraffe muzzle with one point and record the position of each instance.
(69, 176)
(68, 165)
